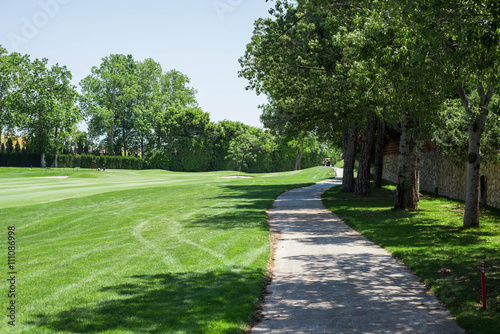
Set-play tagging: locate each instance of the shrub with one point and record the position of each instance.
(88, 161)
(159, 160)
(14, 159)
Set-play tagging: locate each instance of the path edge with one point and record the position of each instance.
(274, 238)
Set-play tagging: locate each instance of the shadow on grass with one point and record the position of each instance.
(212, 302)
(250, 212)
(399, 228)
(432, 239)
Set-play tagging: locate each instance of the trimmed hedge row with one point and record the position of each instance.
(277, 162)
(18, 159)
(92, 161)
(10, 159)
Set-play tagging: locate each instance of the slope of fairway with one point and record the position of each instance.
(39, 186)
(139, 251)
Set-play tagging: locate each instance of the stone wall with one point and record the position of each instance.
(444, 177)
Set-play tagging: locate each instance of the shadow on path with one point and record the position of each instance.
(328, 278)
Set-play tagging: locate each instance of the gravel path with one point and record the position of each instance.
(330, 279)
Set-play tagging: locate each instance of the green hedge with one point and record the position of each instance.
(278, 161)
(11, 159)
(92, 161)
(17, 159)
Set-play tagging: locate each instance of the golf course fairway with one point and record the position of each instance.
(135, 251)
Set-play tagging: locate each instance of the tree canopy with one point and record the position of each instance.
(328, 65)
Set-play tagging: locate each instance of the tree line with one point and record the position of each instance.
(132, 109)
(425, 70)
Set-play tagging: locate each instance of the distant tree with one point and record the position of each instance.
(46, 103)
(148, 104)
(222, 134)
(243, 149)
(281, 123)
(175, 95)
(65, 113)
(186, 138)
(9, 146)
(108, 96)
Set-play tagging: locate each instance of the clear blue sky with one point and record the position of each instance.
(201, 38)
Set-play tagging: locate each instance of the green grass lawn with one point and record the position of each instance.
(138, 251)
(432, 242)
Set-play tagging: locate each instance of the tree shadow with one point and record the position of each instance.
(434, 244)
(400, 228)
(221, 302)
(250, 212)
(349, 292)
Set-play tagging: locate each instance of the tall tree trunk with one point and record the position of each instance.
(365, 161)
(111, 135)
(297, 160)
(407, 186)
(158, 137)
(124, 136)
(349, 158)
(55, 150)
(142, 147)
(379, 155)
(476, 129)
(298, 157)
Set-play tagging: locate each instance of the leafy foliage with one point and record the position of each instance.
(452, 138)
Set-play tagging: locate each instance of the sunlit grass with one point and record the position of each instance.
(139, 251)
(432, 242)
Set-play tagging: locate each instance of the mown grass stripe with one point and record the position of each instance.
(142, 251)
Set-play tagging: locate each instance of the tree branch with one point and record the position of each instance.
(465, 99)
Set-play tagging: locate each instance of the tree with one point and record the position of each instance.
(281, 124)
(298, 60)
(221, 136)
(186, 138)
(148, 103)
(243, 149)
(64, 112)
(464, 38)
(6, 74)
(363, 180)
(9, 146)
(4, 86)
(108, 96)
(451, 137)
(379, 146)
(349, 139)
(14, 69)
(46, 100)
(409, 92)
(127, 68)
(175, 94)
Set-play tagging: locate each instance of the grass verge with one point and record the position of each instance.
(432, 242)
(138, 251)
